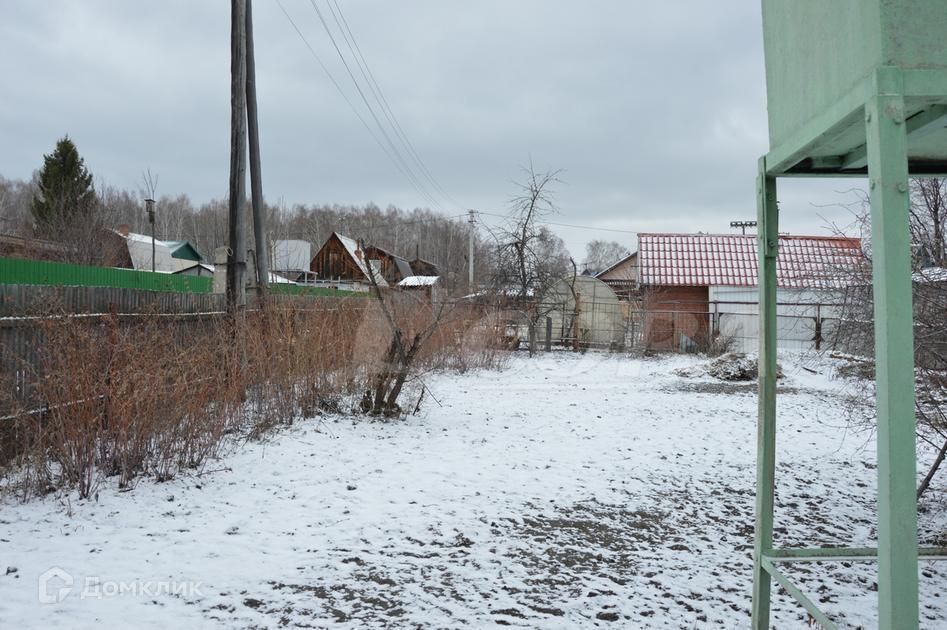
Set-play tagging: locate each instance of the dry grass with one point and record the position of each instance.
(153, 395)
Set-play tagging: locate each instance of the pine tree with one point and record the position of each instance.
(66, 194)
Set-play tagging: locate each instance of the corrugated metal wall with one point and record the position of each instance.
(39, 272)
(802, 315)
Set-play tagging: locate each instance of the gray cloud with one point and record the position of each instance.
(656, 111)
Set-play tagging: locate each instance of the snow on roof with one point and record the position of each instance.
(278, 279)
(139, 238)
(818, 262)
(351, 246)
(206, 266)
(931, 274)
(140, 248)
(419, 281)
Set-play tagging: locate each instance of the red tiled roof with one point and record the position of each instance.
(820, 262)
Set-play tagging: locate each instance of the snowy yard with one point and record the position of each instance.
(566, 491)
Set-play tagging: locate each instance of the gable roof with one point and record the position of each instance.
(184, 250)
(199, 266)
(140, 248)
(818, 262)
(351, 246)
(615, 264)
(401, 264)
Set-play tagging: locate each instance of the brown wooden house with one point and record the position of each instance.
(342, 259)
(394, 268)
(12, 246)
(422, 267)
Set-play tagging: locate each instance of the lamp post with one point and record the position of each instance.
(742, 225)
(150, 209)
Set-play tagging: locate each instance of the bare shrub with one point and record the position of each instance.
(153, 394)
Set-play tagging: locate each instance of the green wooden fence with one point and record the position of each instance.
(17, 271)
(39, 272)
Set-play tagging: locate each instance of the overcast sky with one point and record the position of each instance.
(655, 111)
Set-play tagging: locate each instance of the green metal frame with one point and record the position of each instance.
(880, 100)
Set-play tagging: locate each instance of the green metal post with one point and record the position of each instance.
(894, 354)
(768, 227)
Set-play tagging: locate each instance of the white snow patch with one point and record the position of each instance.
(563, 492)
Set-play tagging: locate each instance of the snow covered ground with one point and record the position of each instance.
(566, 491)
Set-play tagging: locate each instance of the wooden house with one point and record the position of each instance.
(12, 246)
(393, 268)
(341, 259)
(622, 277)
(422, 267)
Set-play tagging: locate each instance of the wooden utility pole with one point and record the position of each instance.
(256, 176)
(150, 209)
(237, 257)
(470, 254)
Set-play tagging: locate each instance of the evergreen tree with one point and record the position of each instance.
(66, 195)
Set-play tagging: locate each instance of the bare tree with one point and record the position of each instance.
(418, 232)
(600, 255)
(928, 218)
(855, 332)
(401, 312)
(528, 255)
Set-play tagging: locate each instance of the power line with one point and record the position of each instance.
(569, 225)
(358, 88)
(382, 100)
(348, 101)
(384, 224)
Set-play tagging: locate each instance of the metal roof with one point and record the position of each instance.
(419, 281)
(815, 262)
(353, 249)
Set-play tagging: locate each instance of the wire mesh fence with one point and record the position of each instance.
(682, 327)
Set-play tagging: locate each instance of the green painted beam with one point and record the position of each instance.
(844, 554)
(925, 82)
(794, 592)
(789, 152)
(798, 595)
(894, 354)
(768, 219)
(920, 124)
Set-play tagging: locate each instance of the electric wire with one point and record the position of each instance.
(348, 101)
(371, 110)
(569, 225)
(382, 100)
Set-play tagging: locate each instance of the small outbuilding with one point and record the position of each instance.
(584, 312)
(622, 276)
(696, 286)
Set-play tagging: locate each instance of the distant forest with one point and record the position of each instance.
(430, 235)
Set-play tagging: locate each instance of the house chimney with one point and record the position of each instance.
(124, 229)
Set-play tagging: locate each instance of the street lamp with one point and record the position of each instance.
(150, 209)
(742, 225)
